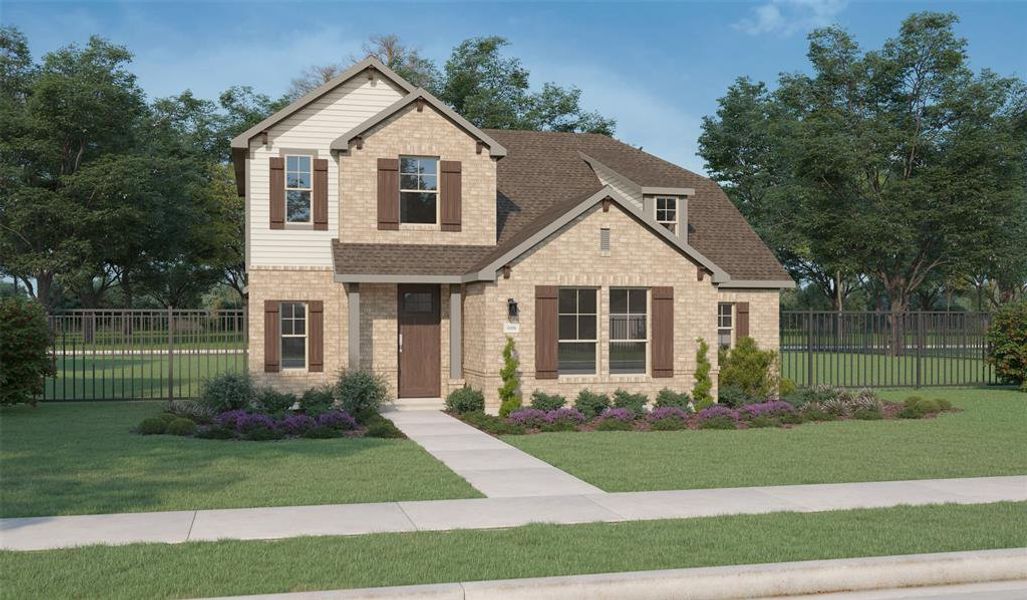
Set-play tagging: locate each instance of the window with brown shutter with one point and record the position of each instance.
(451, 194)
(271, 338)
(321, 194)
(545, 332)
(315, 350)
(663, 332)
(742, 319)
(276, 195)
(388, 193)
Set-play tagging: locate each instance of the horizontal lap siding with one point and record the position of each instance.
(313, 128)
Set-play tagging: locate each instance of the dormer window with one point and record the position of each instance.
(667, 212)
(298, 188)
(418, 190)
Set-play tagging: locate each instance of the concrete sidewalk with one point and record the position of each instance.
(493, 467)
(35, 533)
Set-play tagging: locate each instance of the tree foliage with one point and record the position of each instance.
(24, 350)
(510, 391)
(1007, 340)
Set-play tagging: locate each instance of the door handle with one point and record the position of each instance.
(401, 342)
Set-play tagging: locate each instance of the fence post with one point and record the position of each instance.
(809, 349)
(171, 355)
(919, 345)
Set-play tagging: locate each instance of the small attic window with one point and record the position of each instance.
(604, 240)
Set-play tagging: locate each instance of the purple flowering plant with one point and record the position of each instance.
(717, 411)
(296, 424)
(230, 419)
(618, 414)
(336, 419)
(249, 422)
(527, 417)
(565, 415)
(773, 408)
(667, 412)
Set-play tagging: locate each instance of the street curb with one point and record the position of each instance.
(720, 583)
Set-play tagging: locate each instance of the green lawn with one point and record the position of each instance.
(851, 369)
(987, 438)
(80, 458)
(201, 569)
(131, 377)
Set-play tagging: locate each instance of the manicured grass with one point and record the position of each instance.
(81, 458)
(200, 569)
(853, 369)
(987, 438)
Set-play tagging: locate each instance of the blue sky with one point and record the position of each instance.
(657, 67)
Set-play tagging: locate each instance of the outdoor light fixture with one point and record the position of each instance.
(511, 308)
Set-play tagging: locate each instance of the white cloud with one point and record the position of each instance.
(785, 17)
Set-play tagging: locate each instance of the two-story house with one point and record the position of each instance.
(386, 232)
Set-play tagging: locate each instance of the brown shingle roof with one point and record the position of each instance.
(405, 259)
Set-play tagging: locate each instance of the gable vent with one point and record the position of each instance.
(604, 240)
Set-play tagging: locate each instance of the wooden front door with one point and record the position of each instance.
(420, 363)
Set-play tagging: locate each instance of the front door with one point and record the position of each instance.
(420, 368)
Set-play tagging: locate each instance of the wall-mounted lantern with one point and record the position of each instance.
(511, 309)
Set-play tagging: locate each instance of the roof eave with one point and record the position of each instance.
(758, 284)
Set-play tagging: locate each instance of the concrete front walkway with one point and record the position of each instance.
(494, 468)
(33, 533)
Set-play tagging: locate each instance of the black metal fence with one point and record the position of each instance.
(878, 349)
(141, 354)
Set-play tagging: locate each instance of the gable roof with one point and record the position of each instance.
(496, 150)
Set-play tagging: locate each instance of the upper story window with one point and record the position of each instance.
(628, 330)
(578, 315)
(725, 324)
(293, 317)
(667, 212)
(298, 188)
(418, 189)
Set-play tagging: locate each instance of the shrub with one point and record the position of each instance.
(465, 400)
(262, 434)
(380, 427)
(667, 398)
(944, 404)
(817, 393)
(321, 433)
(167, 417)
(667, 418)
(636, 403)
(867, 414)
(317, 400)
(230, 419)
(717, 417)
(227, 391)
(361, 393)
(702, 391)
(339, 419)
(510, 391)
(215, 432)
(254, 421)
(915, 407)
(614, 425)
(152, 426)
(193, 411)
(773, 409)
(181, 426)
(734, 396)
(491, 424)
(529, 418)
(815, 411)
(546, 402)
(762, 421)
(747, 367)
(24, 350)
(270, 401)
(591, 404)
(1007, 340)
(786, 387)
(565, 415)
(618, 414)
(297, 424)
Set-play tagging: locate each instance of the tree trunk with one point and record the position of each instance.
(44, 290)
(896, 320)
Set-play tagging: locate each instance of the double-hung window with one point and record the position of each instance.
(418, 189)
(725, 324)
(667, 212)
(298, 188)
(628, 330)
(294, 335)
(578, 316)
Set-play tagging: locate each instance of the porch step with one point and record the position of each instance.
(410, 404)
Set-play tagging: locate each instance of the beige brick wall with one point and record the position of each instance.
(637, 259)
(426, 133)
(763, 314)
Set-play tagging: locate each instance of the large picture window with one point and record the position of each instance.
(418, 189)
(298, 188)
(725, 324)
(628, 330)
(294, 335)
(578, 316)
(667, 212)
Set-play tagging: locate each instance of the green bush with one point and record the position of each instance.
(261, 434)
(734, 396)
(786, 387)
(380, 427)
(317, 400)
(750, 369)
(546, 402)
(361, 393)
(492, 424)
(152, 426)
(634, 402)
(558, 426)
(25, 360)
(818, 393)
(465, 400)
(944, 404)
(702, 392)
(510, 391)
(614, 425)
(867, 414)
(590, 403)
(1007, 340)
(181, 426)
(167, 417)
(667, 397)
(763, 421)
(322, 433)
(815, 411)
(216, 433)
(668, 424)
(227, 391)
(271, 401)
(718, 423)
(194, 411)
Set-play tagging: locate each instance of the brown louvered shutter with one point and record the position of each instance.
(663, 332)
(742, 318)
(321, 194)
(451, 194)
(388, 193)
(315, 336)
(277, 192)
(545, 332)
(271, 337)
